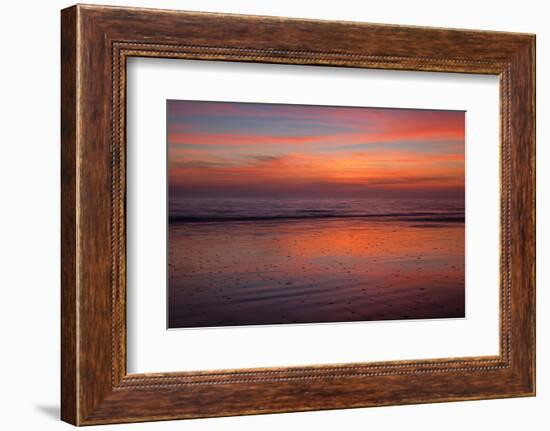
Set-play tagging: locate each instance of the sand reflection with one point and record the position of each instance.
(296, 271)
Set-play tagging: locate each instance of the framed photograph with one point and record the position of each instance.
(263, 214)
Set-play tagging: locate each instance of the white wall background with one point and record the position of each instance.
(29, 218)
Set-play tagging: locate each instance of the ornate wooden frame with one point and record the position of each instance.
(95, 42)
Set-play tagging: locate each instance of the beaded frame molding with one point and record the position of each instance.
(95, 43)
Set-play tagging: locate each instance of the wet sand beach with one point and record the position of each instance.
(226, 273)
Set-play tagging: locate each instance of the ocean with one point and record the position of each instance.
(257, 209)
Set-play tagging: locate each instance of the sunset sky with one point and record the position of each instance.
(266, 150)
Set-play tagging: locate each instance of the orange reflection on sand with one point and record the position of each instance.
(371, 239)
(314, 271)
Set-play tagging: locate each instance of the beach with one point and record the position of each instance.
(290, 270)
